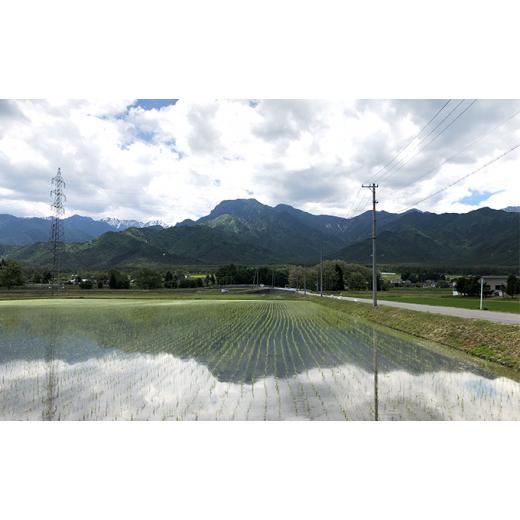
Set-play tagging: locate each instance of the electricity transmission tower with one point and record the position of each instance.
(58, 210)
(373, 187)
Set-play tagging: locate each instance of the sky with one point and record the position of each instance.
(173, 159)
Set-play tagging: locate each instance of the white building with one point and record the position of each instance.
(497, 284)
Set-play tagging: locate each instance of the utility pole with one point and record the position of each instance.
(481, 291)
(321, 271)
(304, 280)
(373, 187)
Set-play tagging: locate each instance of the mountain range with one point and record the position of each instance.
(246, 231)
(22, 231)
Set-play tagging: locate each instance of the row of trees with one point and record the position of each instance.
(337, 276)
(150, 279)
(246, 275)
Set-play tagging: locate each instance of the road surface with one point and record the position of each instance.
(497, 317)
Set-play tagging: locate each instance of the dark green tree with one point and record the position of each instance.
(339, 282)
(513, 285)
(148, 279)
(116, 280)
(10, 274)
(470, 286)
(169, 280)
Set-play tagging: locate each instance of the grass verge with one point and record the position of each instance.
(441, 297)
(487, 340)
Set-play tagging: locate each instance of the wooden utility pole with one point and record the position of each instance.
(304, 280)
(373, 187)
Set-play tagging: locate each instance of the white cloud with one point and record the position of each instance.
(178, 162)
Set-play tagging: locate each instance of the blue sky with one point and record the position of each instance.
(150, 104)
(476, 197)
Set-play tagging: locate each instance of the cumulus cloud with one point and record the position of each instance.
(179, 160)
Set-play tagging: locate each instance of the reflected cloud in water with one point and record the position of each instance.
(165, 362)
(162, 387)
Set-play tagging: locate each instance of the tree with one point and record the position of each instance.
(118, 281)
(460, 285)
(513, 285)
(356, 281)
(148, 279)
(169, 281)
(10, 274)
(470, 286)
(340, 283)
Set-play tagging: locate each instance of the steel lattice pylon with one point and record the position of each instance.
(58, 210)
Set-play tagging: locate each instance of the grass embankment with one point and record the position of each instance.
(487, 340)
(442, 297)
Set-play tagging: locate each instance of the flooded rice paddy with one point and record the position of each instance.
(231, 360)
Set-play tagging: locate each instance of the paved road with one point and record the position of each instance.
(497, 317)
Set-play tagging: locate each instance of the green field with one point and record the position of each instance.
(442, 297)
(237, 358)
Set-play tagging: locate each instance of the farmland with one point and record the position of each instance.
(248, 357)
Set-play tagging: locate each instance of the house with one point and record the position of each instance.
(496, 283)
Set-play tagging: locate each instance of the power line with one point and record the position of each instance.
(468, 175)
(476, 140)
(400, 164)
(413, 139)
(355, 205)
(419, 150)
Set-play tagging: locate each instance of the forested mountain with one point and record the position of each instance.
(248, 232)
(482, 237)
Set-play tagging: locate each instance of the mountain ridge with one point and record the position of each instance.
(77, 228)
(249, 232)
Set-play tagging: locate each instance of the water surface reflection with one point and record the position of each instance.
(231, 361)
